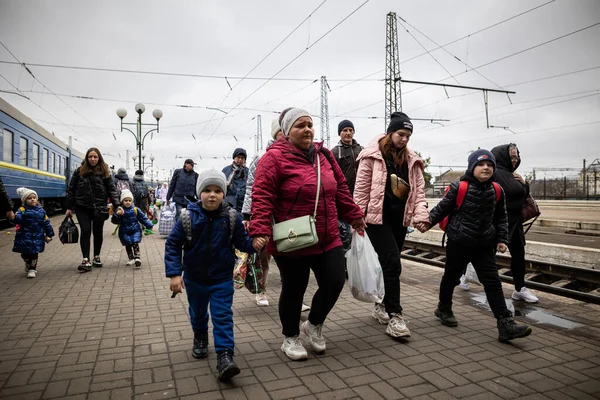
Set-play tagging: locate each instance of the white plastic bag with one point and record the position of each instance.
(166, 221)
(365, 276)
(471, 275)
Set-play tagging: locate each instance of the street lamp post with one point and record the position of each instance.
(139, 139)
(152, 170)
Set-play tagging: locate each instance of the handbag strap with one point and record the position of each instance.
(318, 183)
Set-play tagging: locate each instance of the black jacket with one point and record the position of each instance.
(346, 156)
(515, 191)
(480, 221)
(5, 202)
(183, 183)
(91, 191)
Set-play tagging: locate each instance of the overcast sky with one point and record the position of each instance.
(555, 122)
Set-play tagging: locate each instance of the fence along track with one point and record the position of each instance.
(573, 282)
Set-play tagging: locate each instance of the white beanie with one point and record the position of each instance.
(275, 127)
(292, 116)
(126, 194)
(25, 193)
(211, 177)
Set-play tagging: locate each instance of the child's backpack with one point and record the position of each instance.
(122, 185)
(463, 187)
(186, 221)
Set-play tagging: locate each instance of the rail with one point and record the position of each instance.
(563, 280)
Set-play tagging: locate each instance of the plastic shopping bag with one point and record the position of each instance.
(254, 275)
(365, 276)
(167, 221)
(471, 275)
(240, 270)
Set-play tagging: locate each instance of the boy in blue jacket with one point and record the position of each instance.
(204, 235)
(475, 232)
(34, 230)
(130, 232)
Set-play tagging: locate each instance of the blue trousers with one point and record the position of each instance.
(220, 299)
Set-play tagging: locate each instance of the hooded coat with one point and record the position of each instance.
(34, 225)
(183, 183)
(249, 183)
(371, 179)
(285, 187)
(122, 181)
(236, 185)
(130, 231)
(346, 155)
(209, 259)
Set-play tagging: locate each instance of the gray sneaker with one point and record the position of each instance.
(315, 336)
(293, 348)
(380, 314)
(397, 327)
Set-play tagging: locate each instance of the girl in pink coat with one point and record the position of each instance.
(390, 190)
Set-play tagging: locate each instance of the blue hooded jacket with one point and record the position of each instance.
(209, 260)
(236, 186)
(34, 225)
(130, 231)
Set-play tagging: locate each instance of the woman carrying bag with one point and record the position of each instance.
(298, 193)
(89, 189)
(516, 191)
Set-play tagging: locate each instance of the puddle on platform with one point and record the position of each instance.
(538, 315)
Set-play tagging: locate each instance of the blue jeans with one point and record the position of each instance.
(220, 299)
(178, 208)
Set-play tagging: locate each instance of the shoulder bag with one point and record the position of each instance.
(298, 233)
(530, 210)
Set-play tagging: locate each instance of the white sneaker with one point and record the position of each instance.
(464, 285)
(138, 263)
(130, 263)
(380, 314)
(293, 348)
(526, 295)
(315, 336)
(305, 307)
(32, 273)
(397, 327)
(261, 300)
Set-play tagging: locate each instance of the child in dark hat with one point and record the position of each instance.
(476, 230)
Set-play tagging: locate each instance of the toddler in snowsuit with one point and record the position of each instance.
(203, 233)
(130, 231)
(475, 232)
(33, 232)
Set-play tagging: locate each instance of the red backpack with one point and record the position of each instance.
(460, 198)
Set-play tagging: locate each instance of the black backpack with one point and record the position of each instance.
(68, 232)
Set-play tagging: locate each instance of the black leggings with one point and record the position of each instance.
(133, 250)
(329, 270)
(516, 246)
(31, 259)
(87, 223)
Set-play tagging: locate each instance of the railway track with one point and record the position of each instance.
(573, 282)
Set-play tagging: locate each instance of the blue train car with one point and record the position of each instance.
(31, 156)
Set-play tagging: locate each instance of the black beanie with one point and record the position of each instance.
(478, 156)
(139, 172)
(344, 124)
(239, 152)
(399, 120)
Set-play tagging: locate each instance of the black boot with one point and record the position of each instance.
(226, 366)
(200, 349)
(509, 330)
(445, 314)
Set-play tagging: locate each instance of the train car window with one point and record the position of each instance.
(53, 163)
(24, 152)
(7, 145)
(45, 160)
(36, 155)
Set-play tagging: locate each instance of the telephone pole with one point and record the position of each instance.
(324, 111)
(259, 140)
(393, 90)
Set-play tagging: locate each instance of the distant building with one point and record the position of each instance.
(445, 179)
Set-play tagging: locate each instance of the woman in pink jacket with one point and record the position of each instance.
(390, 190)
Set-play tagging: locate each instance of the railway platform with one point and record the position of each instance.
(115, 333)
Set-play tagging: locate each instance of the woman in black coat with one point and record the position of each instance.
(516, 191)
(89, 190)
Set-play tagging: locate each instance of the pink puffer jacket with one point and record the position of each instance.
(371, 177)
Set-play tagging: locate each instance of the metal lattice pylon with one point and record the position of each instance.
(393, 93)
(259, 141)
(324, 111)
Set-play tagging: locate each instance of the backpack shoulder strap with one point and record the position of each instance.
(186, 222)
(463, 187)
(135, 210)
(498, 190)
(232, 221)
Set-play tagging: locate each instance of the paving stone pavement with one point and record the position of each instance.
(115, 333)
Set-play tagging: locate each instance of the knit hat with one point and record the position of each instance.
(211, 177)
(139, 172)
(121, 171)
(275, 127)
(25, 193)
(239, 152)
(344, 124)
(478, 156)
(126, 194)
(292, 116)
(399, 120)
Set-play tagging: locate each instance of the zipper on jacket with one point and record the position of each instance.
(207, 253)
